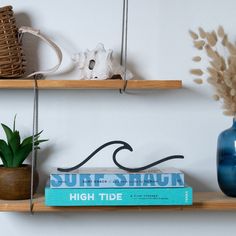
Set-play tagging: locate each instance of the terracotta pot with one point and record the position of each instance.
(15, 182)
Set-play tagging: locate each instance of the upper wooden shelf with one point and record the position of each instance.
(203, 201)
(91, 84)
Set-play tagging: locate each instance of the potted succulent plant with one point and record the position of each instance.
(15, 177)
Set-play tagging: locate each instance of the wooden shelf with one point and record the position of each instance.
(90, 84)
(203, 201)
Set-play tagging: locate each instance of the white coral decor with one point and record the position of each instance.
(98, 64)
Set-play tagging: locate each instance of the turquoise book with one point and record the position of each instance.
(117, 178)
(118, 196)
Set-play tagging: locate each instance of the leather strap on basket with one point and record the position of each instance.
(26, 29)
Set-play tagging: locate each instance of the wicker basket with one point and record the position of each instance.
(12, 61)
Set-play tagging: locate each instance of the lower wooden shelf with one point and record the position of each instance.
(203, 201)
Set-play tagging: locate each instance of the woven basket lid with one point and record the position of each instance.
(6, 8)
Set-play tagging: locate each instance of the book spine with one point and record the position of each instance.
(140, 180)
(118, 197)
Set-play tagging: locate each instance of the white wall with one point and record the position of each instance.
(155, 123)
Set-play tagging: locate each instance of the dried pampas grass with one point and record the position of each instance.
(221, 72)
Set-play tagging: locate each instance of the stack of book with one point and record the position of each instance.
(114, 187)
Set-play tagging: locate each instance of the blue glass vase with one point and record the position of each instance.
(226, 161)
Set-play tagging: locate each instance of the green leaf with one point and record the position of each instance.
(22, 154)
(8, 132)
(14, 123)
(36, 143)
(15, 142)
(29, 140)
(6, 152)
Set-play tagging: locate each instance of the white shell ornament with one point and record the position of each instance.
(98, 64)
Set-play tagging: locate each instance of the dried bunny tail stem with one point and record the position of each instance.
(216, 97)
(193, 35)
(229, 113)
(197, 59)
(223, 91)
(211, 39)
(225, 40)
(217, 54)
(229, 83)
(226, 76)
(223, 64)
(231, 70)
(231, 48)
(220, 76)
(199, 44)
(233, 108)
(211, 81)
(213, 73)
(198, 72)
(227, 102)
(210, 52)
(216, 64)
(198, 81)
(231, 60)
(233, 92)
(202, 33)
(232, 65)
(214, 35)
(234, 79)
(221, 32)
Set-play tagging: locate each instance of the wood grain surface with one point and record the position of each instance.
(91, 84)
(203, 201)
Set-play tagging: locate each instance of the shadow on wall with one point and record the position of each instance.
(30, 43)
(31, 47)
(42, 158)
(197, 185)
(187, 94)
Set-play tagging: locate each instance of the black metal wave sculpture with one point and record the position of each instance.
(124, 146)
